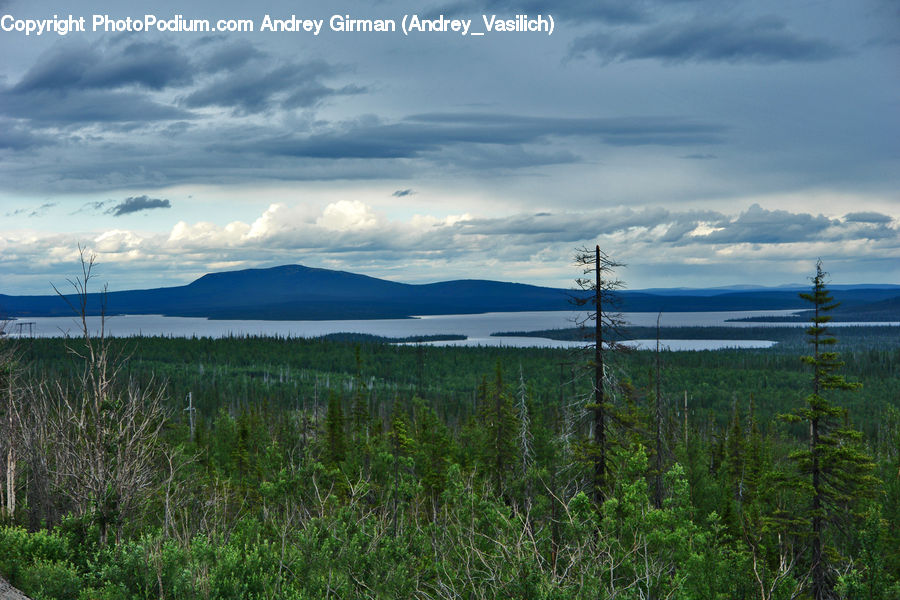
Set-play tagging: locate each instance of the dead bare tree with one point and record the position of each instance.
(103, 431)
(8, 424)
(526, 441)
(784, 580)
(604, 320)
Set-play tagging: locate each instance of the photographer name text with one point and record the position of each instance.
(410, 24)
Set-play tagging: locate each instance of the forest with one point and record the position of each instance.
(352, 467)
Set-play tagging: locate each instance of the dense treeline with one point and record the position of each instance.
(294, 373)
(319, 468)
(790, 339)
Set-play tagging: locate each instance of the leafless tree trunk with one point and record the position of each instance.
(9, 425)
(597, 263)
(525, 437)
(97, 439)
(658, 484)
(11, 458)
(10, 464)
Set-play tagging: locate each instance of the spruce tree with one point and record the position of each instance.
(499, 426)
(735, 457)
(432, 449)
(335, 437)
(599, 299)
(839, 472)
(360, 403)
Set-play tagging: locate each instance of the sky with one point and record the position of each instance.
(702, 143)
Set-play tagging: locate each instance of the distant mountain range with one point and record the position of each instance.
(295, 292)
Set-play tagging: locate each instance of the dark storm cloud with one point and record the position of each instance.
(606, 11)
(867, 225)
(867, 231)
(675, 228)
(160, 154)
(624, 131)
(567, 227)
(77, 83)
(763, 40)
(137, 204)
(80, 67)
(230, 56)
(115, 83)
(419, 134)
(760, 226)
(867, 217)
(254, 89)
(91, 106)
(677, 231)
(403, 193)
(16, 137)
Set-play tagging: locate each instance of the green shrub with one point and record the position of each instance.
(51, 580)
(144, 567)
(19, 549)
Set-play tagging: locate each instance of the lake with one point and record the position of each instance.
(477, 328)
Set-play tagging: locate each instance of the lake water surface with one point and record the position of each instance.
(477, 328)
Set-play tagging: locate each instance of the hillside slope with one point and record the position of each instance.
(297, 292)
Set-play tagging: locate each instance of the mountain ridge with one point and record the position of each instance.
(298, 292)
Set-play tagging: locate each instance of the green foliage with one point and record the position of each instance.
(290, 374)
(498, 425)
(871, 578)
(20, 549)
(51, 580)
(323, 469)
(433, 450)
(335, 435)
(147, 567)
(836, 471)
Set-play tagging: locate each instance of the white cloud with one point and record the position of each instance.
(116, 241)
(348, 215)
(281, 218)
(426, 222)
(207, 234)
(528, 247)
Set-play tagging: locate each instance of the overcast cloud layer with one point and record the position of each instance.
(702, 143)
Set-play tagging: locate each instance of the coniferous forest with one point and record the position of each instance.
(354, 468)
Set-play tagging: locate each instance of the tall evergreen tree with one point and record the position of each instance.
(500, 428)
(432, 448)
(735, 457)
(335, 437)
(839, 472)
(598, 264)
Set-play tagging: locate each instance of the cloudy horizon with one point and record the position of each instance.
(702, 143)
